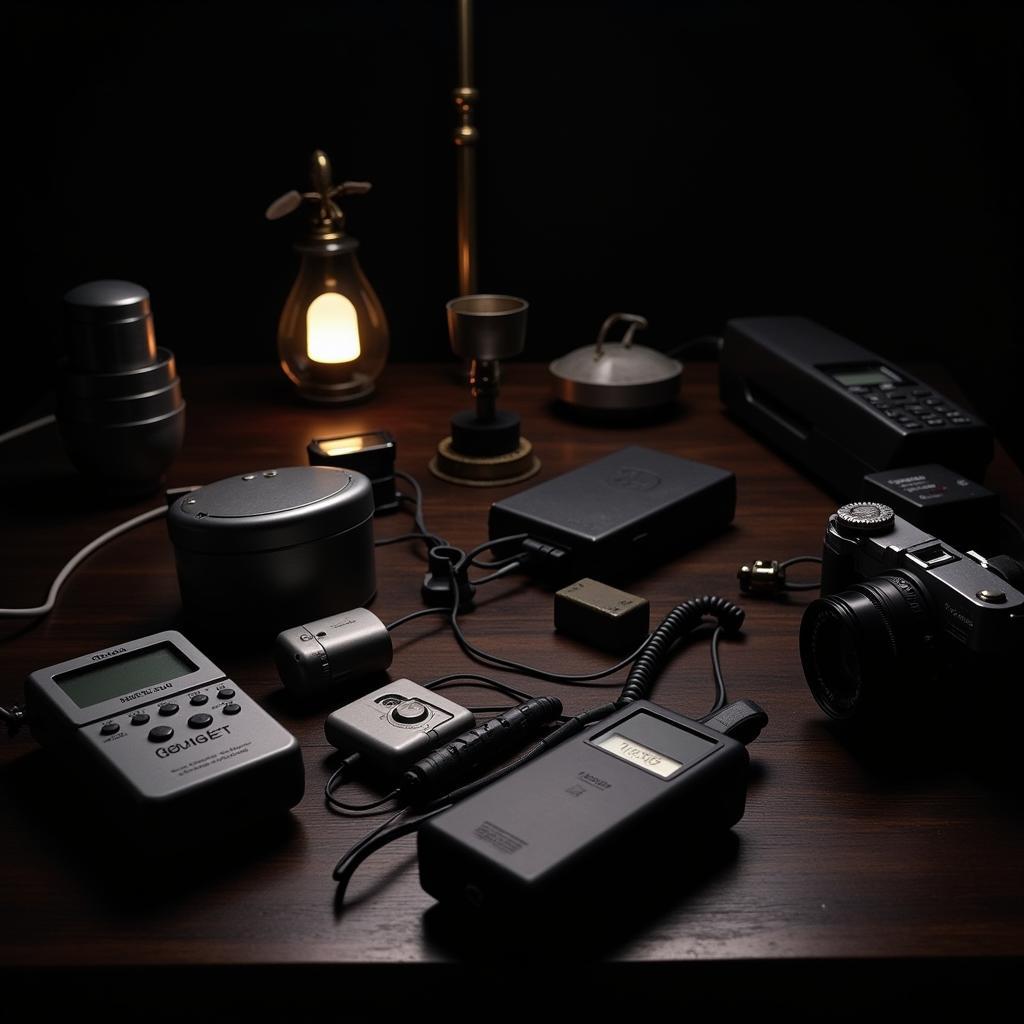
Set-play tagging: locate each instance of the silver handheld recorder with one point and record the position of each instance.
(167, 737)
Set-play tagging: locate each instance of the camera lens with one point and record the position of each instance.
(864, 648)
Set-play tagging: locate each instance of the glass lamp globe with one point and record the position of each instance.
(332, 337)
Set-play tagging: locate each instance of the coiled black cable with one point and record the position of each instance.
(683, 619)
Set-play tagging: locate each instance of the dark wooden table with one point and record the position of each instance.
(851, 868)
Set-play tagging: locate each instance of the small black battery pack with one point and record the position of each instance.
(622, 513)
(941, 502)
(602, 616)
(372, 454)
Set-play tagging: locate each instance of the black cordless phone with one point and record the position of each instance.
(839, 410)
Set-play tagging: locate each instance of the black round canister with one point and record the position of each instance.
(262, 551)
(119, 405)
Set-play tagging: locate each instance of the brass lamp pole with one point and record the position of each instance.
(465, 96)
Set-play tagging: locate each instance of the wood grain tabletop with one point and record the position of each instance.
(847, 854)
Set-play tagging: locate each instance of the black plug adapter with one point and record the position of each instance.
(445, 564)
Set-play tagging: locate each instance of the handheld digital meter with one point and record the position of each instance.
(545, 831)
(165, 734)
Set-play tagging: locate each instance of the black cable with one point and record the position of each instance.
(721, 696)
(380, 836)
(798, 559)
(416, 615)
(418, 511)
(347, 809)
(494, 661)
(681, 621)
(369, 837)
(487, 545)
(368, 810)
(498, 563)
(810, 585)
(498, 573)
(472, 678)
(384, 541)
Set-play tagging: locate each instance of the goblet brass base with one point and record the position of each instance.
(484, 470)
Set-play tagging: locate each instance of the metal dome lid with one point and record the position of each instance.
(617, 375)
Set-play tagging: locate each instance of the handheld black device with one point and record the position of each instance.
(839, 410)
(173, 745)
(542, 832)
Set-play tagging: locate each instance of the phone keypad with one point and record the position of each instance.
(911, 407)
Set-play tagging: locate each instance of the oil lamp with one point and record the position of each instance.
(333, 336)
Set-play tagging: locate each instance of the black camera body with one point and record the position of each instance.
(900, 609)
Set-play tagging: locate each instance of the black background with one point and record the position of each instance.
(852, 162)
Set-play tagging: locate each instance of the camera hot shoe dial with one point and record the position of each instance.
(865, 518)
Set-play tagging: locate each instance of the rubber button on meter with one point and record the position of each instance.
(410, 713)
(140, 718)
(109, 729)
(161, 733)
(199, 698)
(200, 721)
(226, 694)
(232, 709)
(168, 709)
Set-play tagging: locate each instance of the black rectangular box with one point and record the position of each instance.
(621, 513)
(941, 502)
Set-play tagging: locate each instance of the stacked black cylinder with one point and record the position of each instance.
(119, 404)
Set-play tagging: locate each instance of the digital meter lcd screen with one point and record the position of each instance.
(117, 676)
(625, 748)
(864, 378)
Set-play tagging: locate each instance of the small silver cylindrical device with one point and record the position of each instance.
(315, 657)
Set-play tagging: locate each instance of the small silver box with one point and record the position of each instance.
(397, 724)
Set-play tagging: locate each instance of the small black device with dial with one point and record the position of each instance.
(840, 410)
(170, 740)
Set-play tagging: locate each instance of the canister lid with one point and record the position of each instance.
(617, 375)
(109, 327)
(268, 509)
(106, 302)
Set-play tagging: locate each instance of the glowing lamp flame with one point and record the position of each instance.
(332, 329)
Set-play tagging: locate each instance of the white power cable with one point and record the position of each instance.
(27, 428)
(51, 598)
(93, 545)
